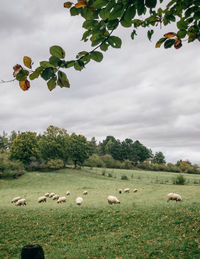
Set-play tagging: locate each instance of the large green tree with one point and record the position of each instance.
(78, 149)
(25, 147)
(159, 158)
(54, 144)
(101, 18)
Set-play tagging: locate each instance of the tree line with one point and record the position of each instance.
(55, 149)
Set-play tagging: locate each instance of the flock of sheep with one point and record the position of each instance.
(79, 200)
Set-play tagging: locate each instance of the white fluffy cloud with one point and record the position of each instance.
(136, 92)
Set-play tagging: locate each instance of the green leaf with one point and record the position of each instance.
(78, 66)
(69, 64)
(90, 24)
(169, 43)
(74, 11)
(22, 75)
(99, 4)
(52, 83)
(133, 34)
(116, 12)
(81, 54)
(57, 51)
(140, 7)
(86, 34)
(45, 64)
(126, 23)
(130, 13)
(88, 14)
(47, 73)
(104, 46)
(97, 56)
(112, 25)
(104, 13)
(56, 62)
(160, 42)
(149, 34)
(182, 25)
(115, 42)
(181, 34)
(62, 80)
(151, 3)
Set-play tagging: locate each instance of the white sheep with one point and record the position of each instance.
(46, 194)
(85, 192)
(56, 197)
(61, 199)
(174, 197)
(21, 202)
(112, 199)
(51, 194)
(135, 190)
(42, 199)
(79, 200)
(120, 191)
(127, 190)
(68, 193)
(16, 199)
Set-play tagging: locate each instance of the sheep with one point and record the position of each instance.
(21, 202)
(51, 194)
(61, 199)
(120, 191)
(174, 197)
(55, 197)
(46, 194)
(79, 200)
(135, 190)
(15, 199)
(85, 192)
(127, 190)
(68, 193)
(112, 199)
(42, 199)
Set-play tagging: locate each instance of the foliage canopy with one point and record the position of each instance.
(100, 19)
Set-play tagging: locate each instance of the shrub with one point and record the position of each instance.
(124, 177)
(103, 172)
(55, 164)
(110, 175)
(10, 169)
(126, 164)
(94, 161)
(180, 179)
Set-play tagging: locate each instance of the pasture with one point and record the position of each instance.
(143, 225)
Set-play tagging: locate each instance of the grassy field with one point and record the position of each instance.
(143, 225)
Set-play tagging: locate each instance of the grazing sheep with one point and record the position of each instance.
(120, 191)
(85, 192)
(21, 202)
(135, 190)
(42, 199)
(51, 194)
(55, 197)
(79, 200)
(46, 194)
(127, 190)
(68, 193)
(61, 199)
(15, 199)
(174, 197)
(113, 199)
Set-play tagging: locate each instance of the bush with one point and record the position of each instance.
(124, 177)
(94, 161)
(126, 164)
(180, 180)
(55, 164)
(110, 175)
(10, 168)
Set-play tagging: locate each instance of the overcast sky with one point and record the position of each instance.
(138, 92)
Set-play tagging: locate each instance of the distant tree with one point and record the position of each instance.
(140, 152)
(54, 144)
(92, 146)
(4, 142)
(159, 158)
(106, 144)
(25, 147)
(12, 137)
(78, 149)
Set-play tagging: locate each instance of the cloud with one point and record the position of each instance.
(136, 92)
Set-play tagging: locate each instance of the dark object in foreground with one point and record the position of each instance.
(32, 252)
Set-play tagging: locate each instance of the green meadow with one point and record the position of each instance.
(143, 225)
